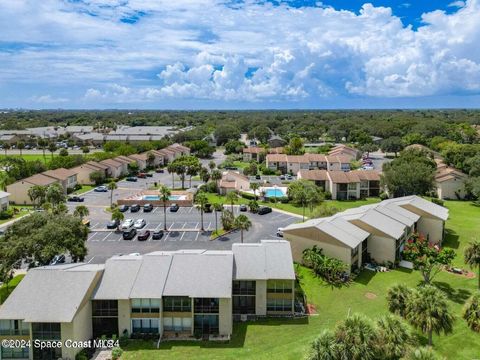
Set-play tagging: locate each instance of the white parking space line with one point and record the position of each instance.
(90, 238)
(108, 234)
(189, 211)
(158, 226)
(171, 226)
(196, 237)
(113, 239)
(183, 226)
(183, 234)
(95, 225)
(154, 209)
(197, 225)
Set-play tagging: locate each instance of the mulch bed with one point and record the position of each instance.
(311, 309)
(370, 295)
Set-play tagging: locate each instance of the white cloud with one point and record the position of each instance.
(201, 49)
(458, 4)
(48, 99)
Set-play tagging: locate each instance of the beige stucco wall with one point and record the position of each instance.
(447, 189)
(80, 329)
(83, 175)
(431, 228)
(306, 238)
(225, 316)
(124, 316)
(261, 297)
(381, 248)
(19, 192)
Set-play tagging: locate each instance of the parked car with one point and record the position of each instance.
(264, 210)
(280, 232)
(258, 177)
(129, 234)
(76, 199)
(149, 174)
(58, 259)
(282, 177)
(289, 177)
(147, 207)
(160, 171)
(208, 208)
(243, 207)
(174, 208)
(141, 175)
(101, 188)
(135, 208)
(143, 235)
(123, 208)
(132, 178)
(113, 224)
(139, 223)
(127, 224)
(157, 235)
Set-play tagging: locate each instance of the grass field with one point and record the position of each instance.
(33, 157)
(84, 189)
(289, 339)
(23, 210)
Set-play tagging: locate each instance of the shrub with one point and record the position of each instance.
(438, 201)
(248, 196)
(116, 353)
(82, 355)
(328, 195)
(227, 220)
(210, 187)
(330, 269)
(6, 214)
(383, 196)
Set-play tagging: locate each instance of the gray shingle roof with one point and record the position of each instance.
(50, 294)
(423, 205)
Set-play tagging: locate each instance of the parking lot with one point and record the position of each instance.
(183, 232)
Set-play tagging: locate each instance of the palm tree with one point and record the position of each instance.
(243, 223)
(472, 257)
(20, 146)
(216, 208)
(201, 201)
(216, 176)
(355, 338)
(37, 194)
(55, 195)
(427, 310)
(52, 148)
(42, 144)
(255, 187)
(164, 197)
(6, 147)
(392, 339)
(397, 298)
(471, 313)
(212, 165)
(192, 171)
(81, 211)
(324, 347)
(112, 185)
(231, 198)
(117, 216)
(171, 170)
(204, 174)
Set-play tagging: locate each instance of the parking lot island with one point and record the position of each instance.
(179, 197)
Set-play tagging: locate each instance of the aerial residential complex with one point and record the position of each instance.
(186, 294)
(371, 232)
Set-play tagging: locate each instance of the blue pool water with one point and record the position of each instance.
(274, 193)
(156, 197)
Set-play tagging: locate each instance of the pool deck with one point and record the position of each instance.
(138, 198)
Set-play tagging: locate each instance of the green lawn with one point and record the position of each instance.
(23, 210)
(5, 291)
(288, 339)
(84, 189)
(341, 205)
(32, 157)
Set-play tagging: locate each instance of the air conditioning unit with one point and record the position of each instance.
(243, 317)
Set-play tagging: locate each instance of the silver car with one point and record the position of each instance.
(127, 224)
(139, 224)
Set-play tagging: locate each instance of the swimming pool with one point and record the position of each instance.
(157, 197)
(275, 192)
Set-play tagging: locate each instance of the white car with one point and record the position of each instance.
(127, 224)
(280, 232)
(140, 223)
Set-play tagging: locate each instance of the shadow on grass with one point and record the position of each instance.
(404, 270)
(451, 239)
(365, 276)
(237, 340)
(458, 296)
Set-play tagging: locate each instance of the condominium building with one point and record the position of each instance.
(294, 163)
(186, 294)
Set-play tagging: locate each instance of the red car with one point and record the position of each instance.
(142, 175)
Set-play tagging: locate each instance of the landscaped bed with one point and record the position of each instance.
(289, 339)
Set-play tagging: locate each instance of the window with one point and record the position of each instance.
(145, 306)
(206, 305)
(279, 305)
(46, 331)
(244, 288)
(177, 324)
(105, 308)
(14, 327)
(279, 286)
(243, 305)
(13, 353)
(206, 324)
(177, 304)
(145, 326)
(352, 186)
(364, 184)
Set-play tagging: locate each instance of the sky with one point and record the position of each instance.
(239, 54)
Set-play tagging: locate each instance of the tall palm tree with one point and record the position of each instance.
(255, 187)
(472, 257)
(164, 197)
(37, 194)
(112, 185)
(243, 223)
(52, 148)
(392, 339)
(202, 201)
(20, 146)
(212, 165)
(216, 208)
(231, 197)
(324, 347)
(216, 175)
(117, 216)
(427, 310)
(397, 298)
(471, 313)
(355, 337)
(81, 211)
(42, 144)
(6, 147)
(171, 168)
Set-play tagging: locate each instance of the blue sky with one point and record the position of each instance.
(239, 54)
